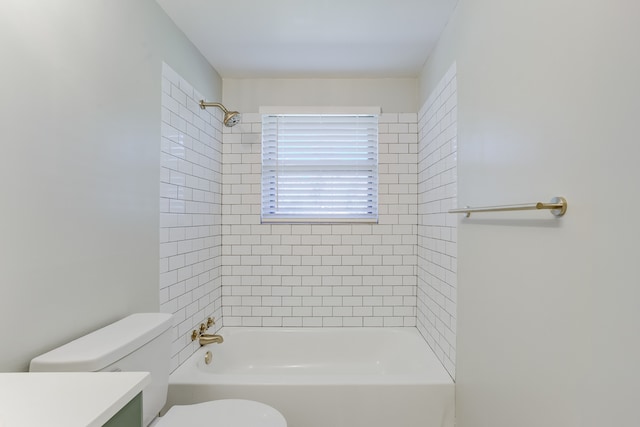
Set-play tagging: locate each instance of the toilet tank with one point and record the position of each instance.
(140, 342)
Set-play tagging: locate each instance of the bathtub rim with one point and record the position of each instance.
(190, 373)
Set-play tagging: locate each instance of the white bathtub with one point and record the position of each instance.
(324, 377)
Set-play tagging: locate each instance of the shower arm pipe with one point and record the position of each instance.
(231, 118)
(557, 206)
(204, 105)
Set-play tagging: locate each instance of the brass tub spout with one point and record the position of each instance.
(210, 339)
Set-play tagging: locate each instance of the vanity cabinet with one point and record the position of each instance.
(129, 416)
(72, 399)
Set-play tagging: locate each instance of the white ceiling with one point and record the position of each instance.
(312, 38)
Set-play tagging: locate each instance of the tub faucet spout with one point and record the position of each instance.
(210, 338)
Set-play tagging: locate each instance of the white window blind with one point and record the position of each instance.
(319, 167)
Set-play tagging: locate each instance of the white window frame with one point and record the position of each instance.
(276, 172)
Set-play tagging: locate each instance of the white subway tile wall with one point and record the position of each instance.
(437, 230)
(190, 212)
(216, 258)
(320, 274)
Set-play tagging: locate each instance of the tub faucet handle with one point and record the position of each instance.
(203, 328)
(210, 321)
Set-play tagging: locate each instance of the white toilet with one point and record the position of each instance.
(142, 342)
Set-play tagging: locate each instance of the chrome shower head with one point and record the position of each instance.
(231, 118)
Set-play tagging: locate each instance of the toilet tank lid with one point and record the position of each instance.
(105, 346)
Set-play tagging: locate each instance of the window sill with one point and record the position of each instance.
(319, 221)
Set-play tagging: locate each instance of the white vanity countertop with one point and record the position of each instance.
(66, 399)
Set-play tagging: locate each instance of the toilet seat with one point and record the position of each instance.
(224, 413)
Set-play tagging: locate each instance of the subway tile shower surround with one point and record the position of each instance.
(190, 211)
(217, 258)
(437, 230)
(320, 274)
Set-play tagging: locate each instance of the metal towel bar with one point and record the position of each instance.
(557, 206)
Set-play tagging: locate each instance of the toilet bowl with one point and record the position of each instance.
(142, 342)
(226, 412)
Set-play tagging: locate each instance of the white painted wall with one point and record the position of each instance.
(393, 95)
(80, 124)
(548, 319)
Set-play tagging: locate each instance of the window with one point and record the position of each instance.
(319, 167)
